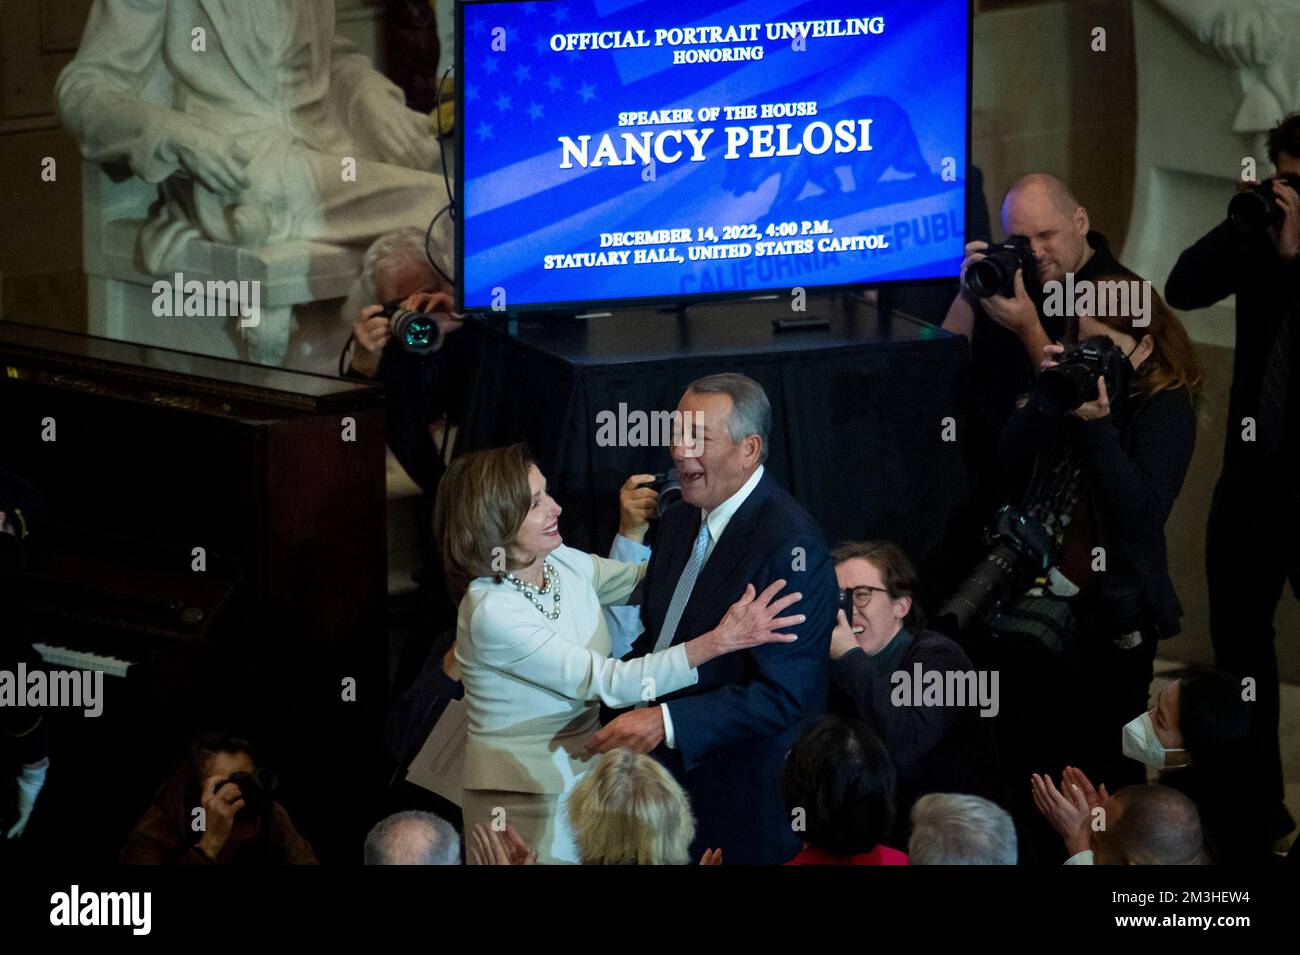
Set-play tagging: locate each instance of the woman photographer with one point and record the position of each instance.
(242, 823)
(1102, 479)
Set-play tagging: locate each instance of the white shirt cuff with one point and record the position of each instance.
(1080, 858)
(670, 739)
(628, 550)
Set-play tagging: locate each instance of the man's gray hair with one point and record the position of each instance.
(391, 251)
(751, 412)
(412, 837)
(957, 829)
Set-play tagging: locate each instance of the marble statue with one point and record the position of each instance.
(1261, 38)
(255, 122)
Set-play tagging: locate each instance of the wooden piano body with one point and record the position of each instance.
(157, 463)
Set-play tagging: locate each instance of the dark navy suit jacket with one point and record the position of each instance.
(734, 727)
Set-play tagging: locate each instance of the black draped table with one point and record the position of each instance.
(858, 410)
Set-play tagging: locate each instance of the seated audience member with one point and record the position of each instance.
(956, 829)
(628, 810)
(412, 837)
(838, 784)
(1197, 736)
(241, 823)
(1139, 825)
(946, 748)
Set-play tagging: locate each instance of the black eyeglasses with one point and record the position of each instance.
(862, 595)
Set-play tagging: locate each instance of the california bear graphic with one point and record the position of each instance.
(893, 145)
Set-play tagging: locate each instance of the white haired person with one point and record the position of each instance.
(960, 829)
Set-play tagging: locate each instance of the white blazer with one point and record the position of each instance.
(533, 685)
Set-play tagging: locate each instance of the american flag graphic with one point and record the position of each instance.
(520, 96)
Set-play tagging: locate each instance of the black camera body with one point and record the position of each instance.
(257, 790)
(1072, 381)
(1256, 209)
(1020, 550)
(995, 274)
(416, 332)
(846, 604)
(669, 487)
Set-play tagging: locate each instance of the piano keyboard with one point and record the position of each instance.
(81, 660)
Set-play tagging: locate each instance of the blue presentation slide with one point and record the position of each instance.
(631, 149)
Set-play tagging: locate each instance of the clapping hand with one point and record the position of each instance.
(489, 846)
(1069, 815)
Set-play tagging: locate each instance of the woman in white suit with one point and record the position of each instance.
(533, 645)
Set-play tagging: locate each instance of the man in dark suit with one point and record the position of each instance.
(725, 738)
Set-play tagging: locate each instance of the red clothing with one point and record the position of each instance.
(880, 855)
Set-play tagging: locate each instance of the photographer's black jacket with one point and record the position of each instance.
(1224, 262)
(1134, 462)
(1000, 369)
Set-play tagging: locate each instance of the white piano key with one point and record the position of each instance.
(81, 660)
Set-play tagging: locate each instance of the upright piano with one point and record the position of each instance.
(215, 544)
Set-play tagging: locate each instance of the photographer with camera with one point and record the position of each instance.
(217, 806)
(1000, 306)
(417, 304)
(1097, 457)
(410, 346)
(1254, 522)
(1000, 310)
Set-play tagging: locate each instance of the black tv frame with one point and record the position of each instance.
(675, 304)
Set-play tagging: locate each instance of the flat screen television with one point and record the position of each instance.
(615, 152)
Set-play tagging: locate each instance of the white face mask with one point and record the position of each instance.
(1142, 744)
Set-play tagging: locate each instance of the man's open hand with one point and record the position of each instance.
(637, 730)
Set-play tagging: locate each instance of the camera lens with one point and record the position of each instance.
(985, 277)
(415, 331)
(1064, 387)
(1255, 210)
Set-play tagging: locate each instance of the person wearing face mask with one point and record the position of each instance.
(533, 645)
(1197, 737)
(935, 748)
(1102, 481)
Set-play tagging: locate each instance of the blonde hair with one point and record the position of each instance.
(630, 810)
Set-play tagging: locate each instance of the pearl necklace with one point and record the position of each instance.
(552, 586)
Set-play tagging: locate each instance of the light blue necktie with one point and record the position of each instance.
(685, 584)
